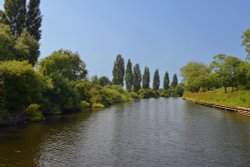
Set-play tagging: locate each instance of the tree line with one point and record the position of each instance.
(223, 71)
(138, 82)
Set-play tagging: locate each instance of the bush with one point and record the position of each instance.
(35, 113)
(97, 105)
(148, 93)
(61, 96)
(85, 104)
(20, 86)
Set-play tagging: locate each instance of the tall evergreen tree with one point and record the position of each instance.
(146, 78)
(118, 71)
(156, 80)
(14, 15)
(129, 76)
(34, 19)
(166, 81)
(174, 82)
(137, 78)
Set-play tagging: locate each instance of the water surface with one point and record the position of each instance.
(147, 133)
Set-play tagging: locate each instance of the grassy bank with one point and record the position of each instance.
(239, 98)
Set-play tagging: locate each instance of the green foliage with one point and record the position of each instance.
(118, 71)
(23, 48)
(148, 93)
(227, 69)
(246, 42)
(174, 82)
(34, 19)
(166, 81)
(61, 96)
(65, 63)
(7, 43)
(97, 105)
(84, 105)
(103, 81)
(134, 95)
(35, 113)
(146, 78)
(196, 76)
(14, 15)
(27, 48)
(176, 91)
(20, 85)
(84, 90)
(129, 76)
(156, 80)
(137, 78)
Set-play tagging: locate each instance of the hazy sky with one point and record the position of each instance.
(163, 34)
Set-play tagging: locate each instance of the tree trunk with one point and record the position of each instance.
(225, 89)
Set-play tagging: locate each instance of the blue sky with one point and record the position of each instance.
(164, 34)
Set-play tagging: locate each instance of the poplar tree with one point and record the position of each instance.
(118, 71)
(156, 80)
(166, 81)
(146, 78)
(174, 82)
(137, 78)
(34, 19)
(129, 76)
(14, 15)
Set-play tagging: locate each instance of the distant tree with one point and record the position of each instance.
(65, 63)
(156, 80)
(166, 81)
(27, 48)
(174, 82)
(103, 81)
(14, 15)
(137, 78)
(146, 78)
(34, 19)
(129, 76)
(118, 71)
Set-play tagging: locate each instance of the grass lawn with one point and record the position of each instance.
(239, 98)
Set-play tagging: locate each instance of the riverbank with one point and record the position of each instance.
(238, 101)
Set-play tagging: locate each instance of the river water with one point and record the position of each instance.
(146, 133)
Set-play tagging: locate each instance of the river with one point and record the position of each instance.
(146, 133)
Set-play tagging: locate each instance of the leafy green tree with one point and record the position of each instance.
(7, 43)
(64, 62)
(118, 71)
(156, 80)
(174, 82)
(137, 78)
(27, 48)
(166, 81)
(103, 81)
(14, 15)
(146, 78)
(196, 76)
(34, 19)
(228, 70)
(129, 76)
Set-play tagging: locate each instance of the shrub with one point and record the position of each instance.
(35, 113)
(97, 105)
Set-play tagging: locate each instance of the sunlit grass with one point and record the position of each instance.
(239, 98)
